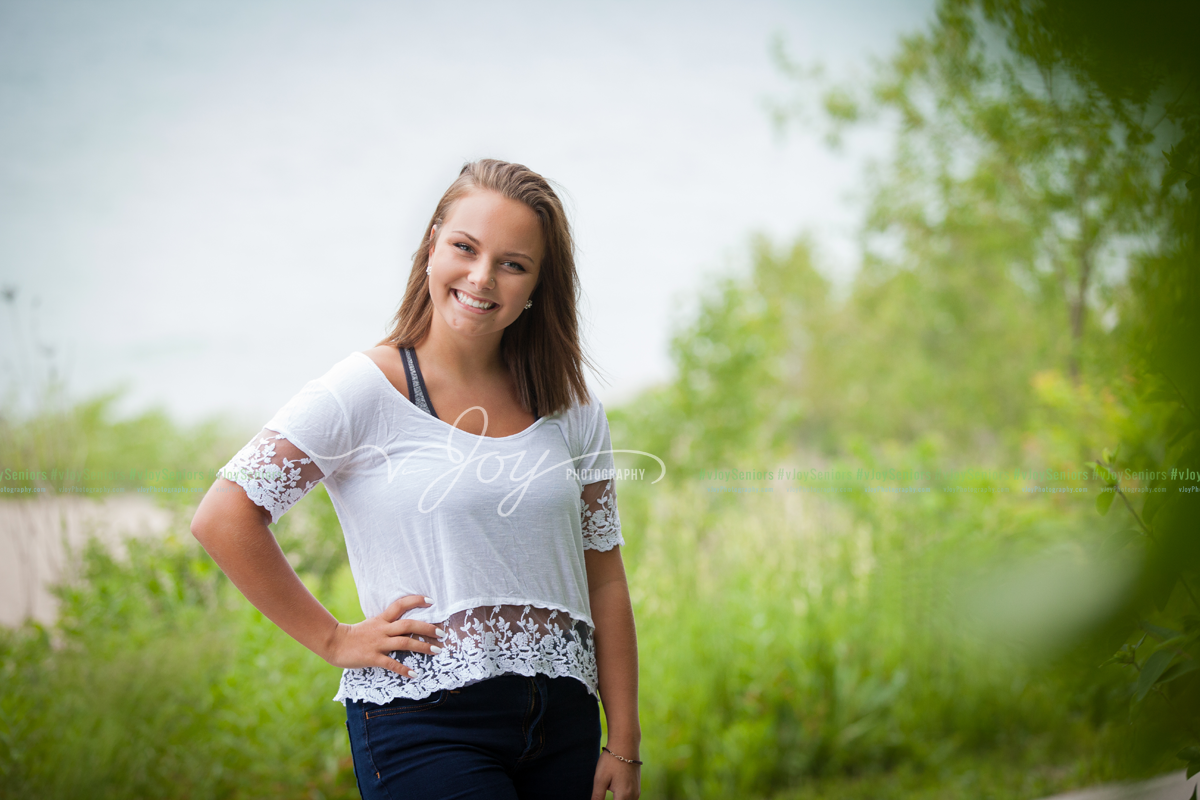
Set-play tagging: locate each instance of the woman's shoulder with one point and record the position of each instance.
(388, 361)
(583, 416)
(590, 405)
(351, 380)
(578, 406)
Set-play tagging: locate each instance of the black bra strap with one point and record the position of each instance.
(416, 383)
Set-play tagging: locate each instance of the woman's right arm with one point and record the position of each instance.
(233, 529)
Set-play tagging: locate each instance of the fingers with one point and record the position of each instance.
(411, 627)
(403, 605)
(392, 665)
(601, 782)
(401, 669)
(415, 645)
(400, 632)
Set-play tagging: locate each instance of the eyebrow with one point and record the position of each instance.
(476, 243)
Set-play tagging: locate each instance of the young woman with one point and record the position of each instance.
(470, 467)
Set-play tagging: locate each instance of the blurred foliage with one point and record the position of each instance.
(49, 442)
(787, 643)
(784, 643)
(1145, 64)
(1029, 296)
(87, 448)
(159, 680)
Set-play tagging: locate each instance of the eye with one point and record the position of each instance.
(514, 265)
(466, 248)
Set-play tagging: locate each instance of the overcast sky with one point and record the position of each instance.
(213, 202)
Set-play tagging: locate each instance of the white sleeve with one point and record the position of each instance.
(316, 422)
(601, 525)
(307, 440)
(600, 522)
(594, 456)
(273, 472)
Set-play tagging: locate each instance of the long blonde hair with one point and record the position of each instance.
(541, 347)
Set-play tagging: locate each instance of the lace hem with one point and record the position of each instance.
(483, 643)
(272, 479)
(601, 524)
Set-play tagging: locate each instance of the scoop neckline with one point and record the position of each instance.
(438, 420)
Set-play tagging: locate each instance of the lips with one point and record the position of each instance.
(473, 303)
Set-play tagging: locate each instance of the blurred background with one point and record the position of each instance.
(905, 296)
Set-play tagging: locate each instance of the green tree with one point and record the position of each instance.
(1045, 162)
(1144, 62)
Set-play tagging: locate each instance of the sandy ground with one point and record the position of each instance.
(1167, 787)
(37, 535)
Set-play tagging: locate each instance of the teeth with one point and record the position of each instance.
(469, 302)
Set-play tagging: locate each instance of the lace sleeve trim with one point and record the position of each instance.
(600, 522)
(273, 471)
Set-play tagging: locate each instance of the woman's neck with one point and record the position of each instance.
(462, 359)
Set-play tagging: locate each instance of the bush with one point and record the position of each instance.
(160, 680)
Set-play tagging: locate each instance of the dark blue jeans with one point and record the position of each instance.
(504, 738)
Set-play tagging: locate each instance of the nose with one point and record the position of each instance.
(481, 274)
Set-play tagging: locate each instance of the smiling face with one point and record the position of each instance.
(484, 262)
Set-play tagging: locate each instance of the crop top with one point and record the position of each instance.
(493, 529)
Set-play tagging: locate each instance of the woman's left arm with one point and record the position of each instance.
(616, 662)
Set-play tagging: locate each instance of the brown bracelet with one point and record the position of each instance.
(620, 758)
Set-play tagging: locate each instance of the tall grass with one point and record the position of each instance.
(159, 680)
(783, 640)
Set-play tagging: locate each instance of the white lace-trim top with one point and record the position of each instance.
(493, 529)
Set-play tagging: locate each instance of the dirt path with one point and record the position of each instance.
(36, 536)
(1167, 787)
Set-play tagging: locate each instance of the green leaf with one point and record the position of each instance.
(1176, 642)
(1152, 670)
(1118, 541)
(1162, 394)
(1104, 473)
(1178, 670)
(1179, 424)
(1189, 753)
(1107, 456)
(1154, 502)
(1122, 656)
(1161, 591)
(1178, 449)
(1158, 631)
(1193, 768)
(1104, 502)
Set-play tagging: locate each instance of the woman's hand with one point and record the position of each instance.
(613, 775)
(368, 643)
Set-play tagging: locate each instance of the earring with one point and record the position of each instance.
(428, 269)
(529, 304)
